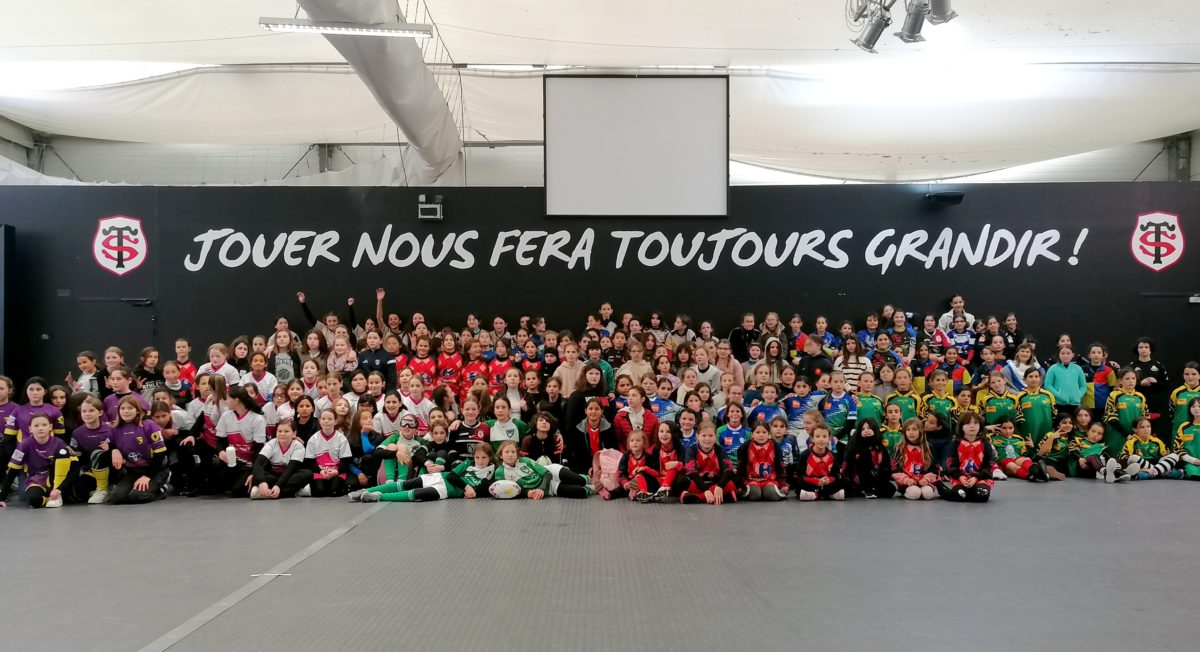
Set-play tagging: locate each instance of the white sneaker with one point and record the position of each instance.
(98, 497)
(356, 496)
(255, 494)
(806, 495)
(57, 502)
(305, 492)
(840, 495)
(997, 474)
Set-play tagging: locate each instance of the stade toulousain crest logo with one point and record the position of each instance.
(1157, 240)
(120, 244)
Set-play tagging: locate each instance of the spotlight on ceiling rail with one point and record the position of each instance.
(878, 20)
(940, 12)
(914, 20)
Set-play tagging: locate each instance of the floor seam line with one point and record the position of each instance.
(226, 603)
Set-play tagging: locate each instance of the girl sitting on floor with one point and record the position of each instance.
(867, 467)
(279, 467)
(48, 464)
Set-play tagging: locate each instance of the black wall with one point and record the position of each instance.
(63, 302)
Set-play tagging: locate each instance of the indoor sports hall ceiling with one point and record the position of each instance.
(1005, 83)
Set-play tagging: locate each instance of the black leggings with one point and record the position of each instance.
(335, 486)
(183, 468)
(878, 487)
(39, 495)
(295, 482)
(826, 492)
(980, 493)
(85, 484)
(224, 478)
(7, 446)
(570, 484)
(369, 465)
(121, 492)
(200, 475)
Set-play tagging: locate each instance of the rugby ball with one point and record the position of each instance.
(504, 489)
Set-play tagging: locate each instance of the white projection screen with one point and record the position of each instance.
(636, 146)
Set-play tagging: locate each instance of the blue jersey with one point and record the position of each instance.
(688, 440)
(838, 410)
(795, 407)
(962, 341)
(830, 342)
(867, 338)
(731, 439)
(789, 451)
(763, 412)
(664, 408)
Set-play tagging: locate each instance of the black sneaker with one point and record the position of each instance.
(644, 497)
(1038, 473)
(690, 499)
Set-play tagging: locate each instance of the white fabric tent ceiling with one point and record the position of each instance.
(1008, 82)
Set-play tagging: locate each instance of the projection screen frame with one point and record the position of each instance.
(545, 149)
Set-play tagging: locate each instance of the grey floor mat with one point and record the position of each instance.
(1069, 566)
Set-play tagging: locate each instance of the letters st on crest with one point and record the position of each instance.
(120, 245)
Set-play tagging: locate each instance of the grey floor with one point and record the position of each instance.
(1068, 566)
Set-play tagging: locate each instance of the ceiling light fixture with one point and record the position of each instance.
(914, 20)
(940, 12)
(394, 30)
(877, 22)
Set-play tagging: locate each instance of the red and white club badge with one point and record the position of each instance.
(120, 244)
(1157, 240)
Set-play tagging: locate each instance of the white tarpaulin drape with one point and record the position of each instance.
(1005, 83)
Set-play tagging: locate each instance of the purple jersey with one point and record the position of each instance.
(87, 440)
(37, 460)
(113, 400)
(138, 443)
(17, 423)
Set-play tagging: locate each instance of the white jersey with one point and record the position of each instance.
(420, 409)
(250, 428)
(270, 415)
(502, 431)
(313, 391)
(284, 412)
(266, 385)
(337, 447)
(182, 420)
(279, 458)
(229, 372)
(387, 426)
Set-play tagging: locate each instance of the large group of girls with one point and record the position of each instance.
(661, 410)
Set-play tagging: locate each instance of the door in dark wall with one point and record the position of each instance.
(1173, 320)
(126, 322)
